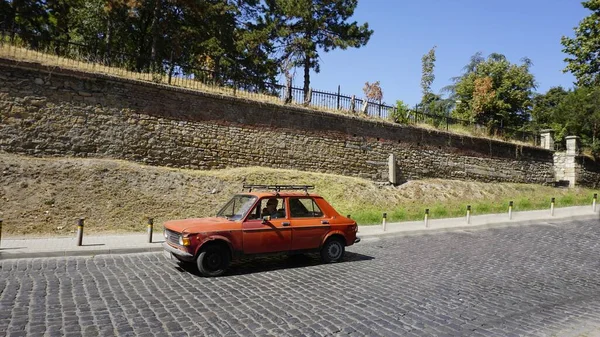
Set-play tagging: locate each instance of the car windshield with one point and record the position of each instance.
(237, 207)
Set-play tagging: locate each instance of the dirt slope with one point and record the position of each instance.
(41, 196)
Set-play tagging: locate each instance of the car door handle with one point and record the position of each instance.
(324, 222)
(285, 223)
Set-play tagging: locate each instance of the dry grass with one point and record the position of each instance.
(9, 51)
(45, 196)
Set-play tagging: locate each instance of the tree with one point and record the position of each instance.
(495, 92)
(544, 107)
(427, 77)
(303, 27)
(373, 92)
(577, 113)
(585, 60)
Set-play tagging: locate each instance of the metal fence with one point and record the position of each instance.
(235, 81)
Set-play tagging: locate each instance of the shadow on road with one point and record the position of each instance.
(271, 263)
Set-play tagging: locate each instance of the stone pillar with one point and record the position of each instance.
(570, 160)
(392, 169)
(572, 145)
(547, 139)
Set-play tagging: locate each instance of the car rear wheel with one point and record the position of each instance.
(213, 260)
(333, 250)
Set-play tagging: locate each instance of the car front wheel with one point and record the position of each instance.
(333, 250)
(213, 261)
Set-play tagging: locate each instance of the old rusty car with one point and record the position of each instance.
(279, 219)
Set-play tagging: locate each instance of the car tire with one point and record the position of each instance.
(333, 250)
(213, 260)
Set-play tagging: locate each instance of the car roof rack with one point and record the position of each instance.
(279, 188)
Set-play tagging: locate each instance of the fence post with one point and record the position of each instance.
(384, 221)
(79, 231)
(150, 229)
(338, 97)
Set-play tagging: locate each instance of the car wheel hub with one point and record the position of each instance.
(334, 251)
(213, 261)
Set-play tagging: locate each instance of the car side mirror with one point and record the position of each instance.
(266, 218)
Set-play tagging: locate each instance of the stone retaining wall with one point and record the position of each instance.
(57, 112)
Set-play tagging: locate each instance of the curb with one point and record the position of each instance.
(504, 224)
(66, 253)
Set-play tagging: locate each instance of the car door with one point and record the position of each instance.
(309, 224)
(267, 236)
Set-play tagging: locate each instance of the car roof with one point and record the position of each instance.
(281, 194)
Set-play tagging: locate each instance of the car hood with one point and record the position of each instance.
(199, 225)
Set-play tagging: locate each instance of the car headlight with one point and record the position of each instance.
(165, 234)
(184, 241)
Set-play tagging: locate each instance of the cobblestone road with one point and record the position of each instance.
(529, 281)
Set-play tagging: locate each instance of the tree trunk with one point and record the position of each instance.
(307, 94)
(155, 31)
(108, 39)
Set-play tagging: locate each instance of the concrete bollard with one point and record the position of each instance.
(510, 207)
(593, 202)
(427, 218)
(79, 231)
(552, 207)
(468, 214)
(384, 221)
(150, 229)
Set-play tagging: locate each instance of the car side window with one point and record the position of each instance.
(304, 208)
(273, 207)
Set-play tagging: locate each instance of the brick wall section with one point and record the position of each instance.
(60, 112)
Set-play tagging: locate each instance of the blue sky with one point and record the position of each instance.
(407, 29)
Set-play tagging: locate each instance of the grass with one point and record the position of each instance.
(45, 196)
(10, 51)
(524, 199)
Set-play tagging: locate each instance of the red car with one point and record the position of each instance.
(256, 223)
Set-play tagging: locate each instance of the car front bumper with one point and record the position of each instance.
(180, 253)
(357, 240)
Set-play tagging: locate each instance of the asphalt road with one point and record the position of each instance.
(541, 280)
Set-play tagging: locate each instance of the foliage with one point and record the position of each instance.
(373, 92)
(427, 76)
(544, 107)
(571, 113)
(303, 27)
(226, 38)
(400, 114)
(579, 114)
(585, 61)
(494, 92)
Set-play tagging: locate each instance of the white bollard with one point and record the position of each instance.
(510, 206)
(384, 221)
(594, 202)
(427, 218)
(468, 214)
(552, 207)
